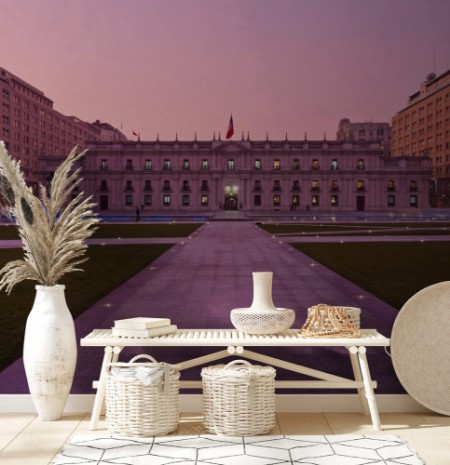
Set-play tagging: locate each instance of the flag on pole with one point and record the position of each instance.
(230, 130)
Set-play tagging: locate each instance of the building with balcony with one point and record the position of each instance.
(366, 131)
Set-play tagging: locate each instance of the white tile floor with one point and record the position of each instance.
(25, 440)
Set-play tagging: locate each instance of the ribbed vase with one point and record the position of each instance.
(50, 351)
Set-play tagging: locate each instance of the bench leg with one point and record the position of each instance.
(357, 373)
(111, 356)
(368, 388)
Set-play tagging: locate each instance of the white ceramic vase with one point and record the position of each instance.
(262, 317)
(262, 292)
(50, 351)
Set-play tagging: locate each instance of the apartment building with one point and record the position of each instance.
(32, 128)
(423, 128)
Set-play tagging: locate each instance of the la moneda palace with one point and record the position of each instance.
(253, 176)
(357, 171)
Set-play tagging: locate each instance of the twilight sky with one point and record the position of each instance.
(183, 66)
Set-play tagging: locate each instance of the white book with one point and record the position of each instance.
(141, 322)
(150, 332)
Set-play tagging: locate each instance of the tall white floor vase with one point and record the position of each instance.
(50, 351)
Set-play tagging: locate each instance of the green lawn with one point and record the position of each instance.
(393, 271)
(358, 228)
(107, 267)
(109, 230)
(146, 230)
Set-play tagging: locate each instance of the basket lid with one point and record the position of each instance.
(237, 369)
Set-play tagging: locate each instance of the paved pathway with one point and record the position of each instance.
(198, 282)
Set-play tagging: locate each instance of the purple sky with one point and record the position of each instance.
(182, 66)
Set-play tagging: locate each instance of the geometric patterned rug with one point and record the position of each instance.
(225, 450)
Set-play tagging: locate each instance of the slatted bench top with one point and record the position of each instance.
(230, 337)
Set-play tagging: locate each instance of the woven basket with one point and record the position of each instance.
(239, 398)
(134, 409)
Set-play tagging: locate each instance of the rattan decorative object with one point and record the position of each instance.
(136, 409)
(420, 347)
(262, 317)
(329, 321)
(239, 398)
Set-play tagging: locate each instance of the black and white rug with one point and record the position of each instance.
(224, 450)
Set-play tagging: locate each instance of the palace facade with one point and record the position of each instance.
(250, 175)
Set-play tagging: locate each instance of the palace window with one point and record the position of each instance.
(129, 165)
(231, 165)
(147, 200)
(257, 186)
(186, 164)
(295, 201)
(334, 165)
(128, 200)
(257, 165)
(204, 186)
(129, 186)
(391, 185)
(334, 200)
(296, 185)
(296, 164)
(257, 200)
(148, 165)
(360, 164)
(315, 200)
(104, 165)
(148, 185)
(204, 201)
(204, 165)
(360, 186)
(185, 200)
(276, 200)
(334, 185)
(167, 165)
(315, 165)
(413, 201)
(315, 185)
(276, 165)
(276, 186)
(391, 200)
(413, 186)
(185, 187)
(166, 186)
(103, 185)
(167, 200)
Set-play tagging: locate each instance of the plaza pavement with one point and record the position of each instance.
(202, 277)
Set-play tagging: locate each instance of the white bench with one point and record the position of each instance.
(236, 342)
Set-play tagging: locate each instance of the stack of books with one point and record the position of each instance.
(143, 327)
